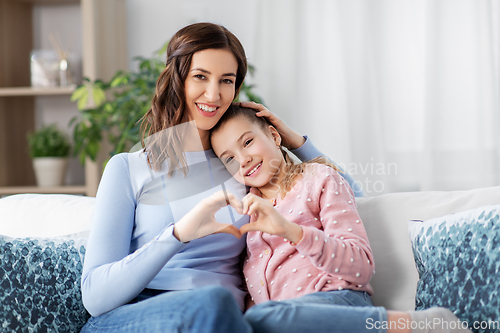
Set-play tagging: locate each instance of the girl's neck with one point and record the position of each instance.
(272, 189)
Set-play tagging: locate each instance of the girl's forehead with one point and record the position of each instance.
(239, 121)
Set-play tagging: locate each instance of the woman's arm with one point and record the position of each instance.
(112, 276)
(300, 146)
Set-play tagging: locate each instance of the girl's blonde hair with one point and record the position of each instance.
(291, 170)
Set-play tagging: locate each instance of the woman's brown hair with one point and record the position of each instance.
(168, 105)
(291, 169)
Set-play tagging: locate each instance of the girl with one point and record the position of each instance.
(142, 272)
(307, 249)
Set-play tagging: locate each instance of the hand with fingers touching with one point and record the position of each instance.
(263, 217)
(201, 222)
(291, 139)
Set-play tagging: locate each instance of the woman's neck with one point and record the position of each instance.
(205, 139)
(196, 139)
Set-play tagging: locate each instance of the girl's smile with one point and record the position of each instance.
(254, 170)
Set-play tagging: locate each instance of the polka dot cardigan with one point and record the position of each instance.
(333, 254)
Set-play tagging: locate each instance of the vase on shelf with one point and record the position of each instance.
(49, 150)
(50, 171)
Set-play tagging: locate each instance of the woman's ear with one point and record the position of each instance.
(275, 135)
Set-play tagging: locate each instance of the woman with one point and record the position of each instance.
(142, 272)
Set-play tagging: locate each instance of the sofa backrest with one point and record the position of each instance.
(385, 218)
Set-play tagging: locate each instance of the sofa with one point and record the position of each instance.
(420, 240)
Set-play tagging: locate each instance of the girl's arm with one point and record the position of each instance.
(341, 248)
(111, 275)
(300, 146)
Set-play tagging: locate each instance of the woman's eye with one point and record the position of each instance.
(247, 142)
(200, 76)
(228, 160)
(228, 81)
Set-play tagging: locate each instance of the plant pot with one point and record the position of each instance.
(49, 171)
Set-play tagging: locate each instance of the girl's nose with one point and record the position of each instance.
(245, 160)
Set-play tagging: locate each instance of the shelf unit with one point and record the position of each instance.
(34, 91)
(104, 51)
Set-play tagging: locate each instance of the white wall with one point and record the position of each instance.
(362, 64)
(153, 22)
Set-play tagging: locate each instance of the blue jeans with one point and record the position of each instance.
(207, 309)
(344, 311)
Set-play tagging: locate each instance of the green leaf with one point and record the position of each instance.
(98, 95)
(48, 141)
(79, 92)
(82, 102)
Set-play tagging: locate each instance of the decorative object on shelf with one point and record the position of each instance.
(65, 77)
(118, 116)
(44, 68)
(49, 148)
(51, 68)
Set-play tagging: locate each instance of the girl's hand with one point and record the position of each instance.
(268, 220)
(291, 139)
(200, 221)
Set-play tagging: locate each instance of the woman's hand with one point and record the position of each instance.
(291, 139)
(200, 221)
(268, 220)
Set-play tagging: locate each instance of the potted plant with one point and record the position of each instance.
(114, 108)
(49, 148)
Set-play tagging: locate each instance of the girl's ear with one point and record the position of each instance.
(275, 135)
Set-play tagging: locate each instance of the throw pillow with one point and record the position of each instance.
(458, 261)
(40, 284)
(45, 215)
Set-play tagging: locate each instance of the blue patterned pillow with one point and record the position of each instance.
(458, 260)
(40, 285)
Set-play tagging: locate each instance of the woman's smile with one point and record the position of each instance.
(207, 110)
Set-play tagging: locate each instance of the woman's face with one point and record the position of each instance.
(210, 86)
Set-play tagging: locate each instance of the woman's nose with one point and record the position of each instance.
(212, 92)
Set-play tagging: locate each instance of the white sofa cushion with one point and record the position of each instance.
(385, 218)
(45, 215)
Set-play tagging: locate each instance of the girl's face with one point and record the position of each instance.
(210, 86)
(251, 154)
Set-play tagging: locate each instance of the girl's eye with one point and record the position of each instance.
(200, 76)
(228, 160)
(228, 81)
(247, 142)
